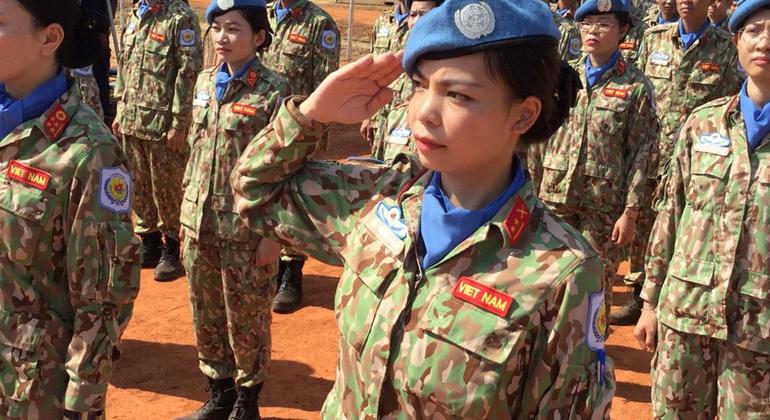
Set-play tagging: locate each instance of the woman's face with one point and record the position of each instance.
(21, 43)
(754, 46)
(233, 38)
(601, 34)
(463, 120)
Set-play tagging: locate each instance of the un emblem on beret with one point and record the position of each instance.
(225, 4)
(604, 5)
(475, 20)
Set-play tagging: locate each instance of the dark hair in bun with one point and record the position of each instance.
(257, 18)
(532, 67)
(81, 38)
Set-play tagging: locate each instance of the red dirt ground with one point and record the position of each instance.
(158, 376)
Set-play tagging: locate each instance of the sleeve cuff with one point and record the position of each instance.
(311, 126)
(83, 398)
(650, 292)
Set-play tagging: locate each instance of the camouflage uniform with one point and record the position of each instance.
(399, 136)
(421, 343)
(69, 263)
(708, 272)
(651, 17)
(159, 62)
(595, 165)
(89, 90)
(305, 46)
(682, 81)
(632, 43)
(402, 90)
(230, 296)
(570, 43)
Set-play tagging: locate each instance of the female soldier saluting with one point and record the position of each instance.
(69, 263)
(231, 288)
(707, 286)
(461, 296)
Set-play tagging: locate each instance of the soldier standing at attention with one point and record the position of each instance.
(662, 13)
(157, 67)
(69, 262)
(718, 13)
(305, 51)
(230, 270)
(594, 168)
(706, 295)
(689, 63)
(461, 295)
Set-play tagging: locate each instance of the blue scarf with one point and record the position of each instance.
(593, 74)
(143, 8)
(719, 24)
(689, 39)
(444, 226)
(14, 113)
(562, 12)
(662, 20)
(401, 16)
(757, 120)
(223, 78)
(280, 12)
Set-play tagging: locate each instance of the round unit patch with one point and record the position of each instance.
(574, 46)
(475, 20)
(329, 40)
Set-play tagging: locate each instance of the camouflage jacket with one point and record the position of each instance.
(305, 46)
(402, 90)
(651, 16)
(218, 136)
(89, 90)
(398, 136)
(387, 34)
(69, 263)
(497, 329)
(598, 159)
(570, 43)
(161, 56)
(684, 80)
(632, 43)
(707, 264)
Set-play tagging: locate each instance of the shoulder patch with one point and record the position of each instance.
(596, 324)
(574, 46)
(329, 39)
(115, 190)
(187, 37)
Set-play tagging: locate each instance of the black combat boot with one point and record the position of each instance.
(220, 403)
(247, 405)
(170, 267)
(153, 245)
(289, 295)
(629, 313)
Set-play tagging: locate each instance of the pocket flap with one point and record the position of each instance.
(757, 285)
(29, 203)
(709, 164)
(693, 271)
(599, 170)
(20, 332)
(552, 161)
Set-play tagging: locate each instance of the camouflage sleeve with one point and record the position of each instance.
(188, 59)
(373, 38)
(305, 205)
(326, 56)
(103, 265)
(641, 62)
(568, 378)
(199, 84)
(735, 75)
(642, 133)
(669, 205)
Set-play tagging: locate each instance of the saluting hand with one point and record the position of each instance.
(355, 91)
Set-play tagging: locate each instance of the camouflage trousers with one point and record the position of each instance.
(157, 172)
(231, 300)
(596, 227)
(699, 377)
(638, 248)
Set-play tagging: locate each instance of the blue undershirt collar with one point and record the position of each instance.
(757, 120)
(400, 16)
(593, 74)
(14, 112)
(443, 226)
(143, 8)
(689, 38)
(223, 78)
(662, 20)
(280, 11)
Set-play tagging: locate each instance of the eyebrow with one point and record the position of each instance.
(450, 82)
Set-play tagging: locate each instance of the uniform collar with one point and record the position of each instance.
(34, 104)
(294, 10)
(595, 74)
(52, 122)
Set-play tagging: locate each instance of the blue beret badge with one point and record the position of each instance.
(604, 5)
(475, 20)
(225, 4)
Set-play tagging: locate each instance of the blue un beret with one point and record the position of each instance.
(745, 9)
(460, 24)
(601, 6)
(217, 6)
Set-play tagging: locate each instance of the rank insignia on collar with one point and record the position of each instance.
(622, 67)
(298, 39)
(295, 13)
(28, 175)
(156, 8)
(517, 220)
(251, 78)
(616, 93)
(56, 121)
(484, 297)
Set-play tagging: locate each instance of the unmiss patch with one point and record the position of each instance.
(574, 46)
(715, 139)
(329, 40)
(660, 58)
(596, 324)
(186, 38)
(393, 219)
(115, 190)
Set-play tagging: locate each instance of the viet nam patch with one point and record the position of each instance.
(115, 190)
(298, 39)
(475, 20)
(484, 297)
(596, 329)
(186, 37)
(28, 175)
(329, 40)
(244, 109)
(660, 58)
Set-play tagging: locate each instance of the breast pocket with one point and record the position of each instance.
(604, 184)
(25, 213)
(708, 179)
(754, 303)
(20, 353)
(465, 357)
(295, 59)
(705, 80)
(687, 289)
(554, 173)
(156, 66)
